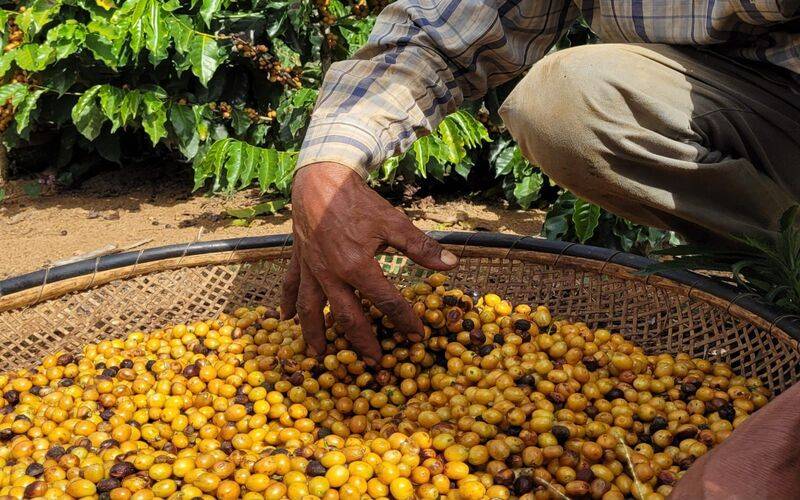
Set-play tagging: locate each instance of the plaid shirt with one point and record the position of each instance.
(424, 57)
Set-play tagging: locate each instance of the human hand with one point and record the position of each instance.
(339, 226)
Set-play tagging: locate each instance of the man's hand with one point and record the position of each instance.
(339, 226)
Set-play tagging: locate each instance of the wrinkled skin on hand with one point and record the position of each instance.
(339, 226)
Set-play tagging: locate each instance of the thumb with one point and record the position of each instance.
(419, 247)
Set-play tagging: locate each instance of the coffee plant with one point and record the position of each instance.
(225, 84)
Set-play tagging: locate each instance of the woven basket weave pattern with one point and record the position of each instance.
(656, 318)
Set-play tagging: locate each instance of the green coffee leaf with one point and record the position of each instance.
(233, 163)
(14, 92)
(355, 33)
(288, 57)
(201, 113)
(269, 207)
(387, 171)
(267, 168)
(422, 155)
(129, 108)
(107, 42)
(6, 60)
(154, 117)
(60, 78)
(585, 217)
(526, 190)
(208, 9)
(502, 154)
(452, 141)
(108, 147)
(183, 120)
(464, 167)
(554, 228)
(5, 15)
(211, 164)
(34, 57)
(788, 219)
(205, 57)
(87, 116)
(338, 8)
(111, 99)
(471, 131)
(66, 38)
(250, 158)
(240, 121)
(299, 14)
(180, 28)
(557, 221)
(37, 14)
(134, 16)
(273, 168)
(22, 113)
(156, 32)
(171, 5)
(276, 17)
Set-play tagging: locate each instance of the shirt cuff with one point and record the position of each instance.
(341, 141)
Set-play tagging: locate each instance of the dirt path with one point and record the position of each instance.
(123, 208)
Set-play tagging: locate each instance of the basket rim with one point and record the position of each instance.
(787, 322)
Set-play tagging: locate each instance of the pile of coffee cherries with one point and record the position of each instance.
(496, 401)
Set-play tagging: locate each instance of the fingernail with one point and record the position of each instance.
(414, 337)
(371, 362)
(311, 351)
(449, 258)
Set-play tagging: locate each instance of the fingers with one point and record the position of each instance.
(310, 306)
(418, 246)
(291, 283)
(374, 286)
(347, 312)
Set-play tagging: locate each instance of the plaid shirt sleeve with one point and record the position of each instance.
(423, 58)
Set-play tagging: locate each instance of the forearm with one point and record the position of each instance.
(423, 59)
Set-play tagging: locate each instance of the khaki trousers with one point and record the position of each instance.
(672, 137)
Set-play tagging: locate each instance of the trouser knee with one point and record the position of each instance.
(558, 111)
(645, 130)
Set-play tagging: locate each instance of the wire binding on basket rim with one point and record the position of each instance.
(740, 296)
(780, 318)
(513, 245)
(131, 273)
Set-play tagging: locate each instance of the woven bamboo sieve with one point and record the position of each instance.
(64, 308)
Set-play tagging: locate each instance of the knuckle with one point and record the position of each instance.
(426, 245)
(359, 339)
(391, 306)
(404, 226)
(313, 336)
(346, 318)
(316, 267)
(306, 307)
(345, 321)
(290, 284)
(352, 267)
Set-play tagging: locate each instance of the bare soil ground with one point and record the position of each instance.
(156, 206)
